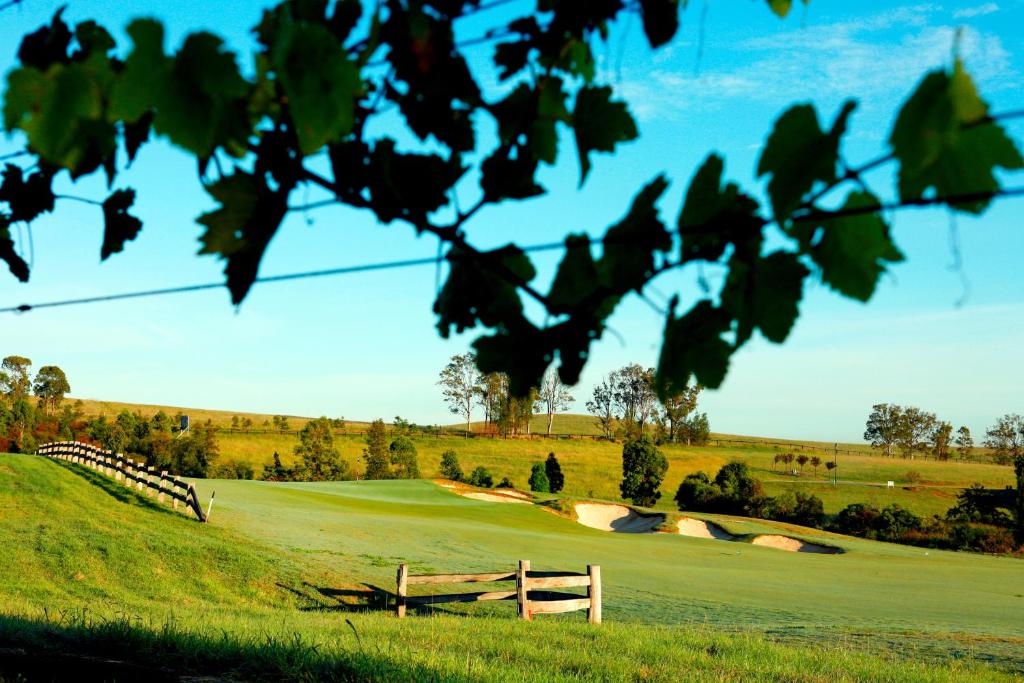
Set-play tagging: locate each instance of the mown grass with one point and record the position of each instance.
(593, 468)
(281, 584)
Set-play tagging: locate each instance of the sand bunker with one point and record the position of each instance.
(494, 497)
(698, 528)
(616, 518)
(793, 545)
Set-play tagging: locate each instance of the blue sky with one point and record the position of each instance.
(946, 339)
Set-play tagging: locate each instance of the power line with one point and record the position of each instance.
(304, 275)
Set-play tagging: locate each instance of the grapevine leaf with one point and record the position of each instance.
(26, 197)
(509, 174)
(477, 291)
(798, 154)
(320, 82)
(714, 216)
(46, 46)
(241, 229)
(941, 141)
(764, 294)
(782, 7)
(853, 250)
(409, 186)
(629, 245)
(523, 356)
(9, 254)
(576, 278)
(693, 345)
(661, 20)
(600, 124)
(119, 225)
(146, 72)
(136, 133)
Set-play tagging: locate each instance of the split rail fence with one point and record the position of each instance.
(529, 597)
(134, 474)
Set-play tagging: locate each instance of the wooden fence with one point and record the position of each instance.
(134, 474)
(529, 599)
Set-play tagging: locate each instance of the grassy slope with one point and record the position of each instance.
(126, 580)
(592, 468)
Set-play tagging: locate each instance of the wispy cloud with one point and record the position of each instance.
(880, 57)
(979, 11)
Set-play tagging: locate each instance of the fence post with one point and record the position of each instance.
(174, 496)
(522, 592)
(140, 476)
(401, 588)
(594, 593)
(160, 495)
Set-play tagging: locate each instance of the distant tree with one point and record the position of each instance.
(513, 414)
(539, 478)
(1006, 438)
(788, 458)
(404, 461)
(941, 440)
(883, 427)
(677, 404)
(194, 454)
(802, 460)
(634, 397)
(459, 384)
(696, 492)
(339, 423)
(779, 457)
(50, 387)
(450, 468)
(276, 471)
(247, 424)
(964, 442)
(830, 465)
(556, 480)
(815, 463)
(160, 422)
(602, 406)
(23, 417)
(15, 383)
(281, 423)
(235, 422)
(914, 430)
(266, 424)
(738, 487)
(481, 477)
(553, 397)
(376, 454)
(401, 427)
(321, 460)
(491, 390)
(695, 430)
(643, 470)
(505, 483)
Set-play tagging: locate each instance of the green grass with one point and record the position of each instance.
(265, 589)
(593, 468)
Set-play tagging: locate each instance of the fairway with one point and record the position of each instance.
(273, 551)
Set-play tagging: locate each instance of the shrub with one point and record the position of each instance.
(539, 479)
(643, 469)
(738, 487)
(376, 455)
(912, 477)
(321, 461)
(450, 468)
(505, 483)
(404, 459)
(697, 493)
(481, 477)
(556, 480)
(857, 519)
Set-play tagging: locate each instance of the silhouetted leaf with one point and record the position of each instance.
(29, 197)
(145, 75)
(798, 154)
(629, 245)
(782, 7)
(509, 174)
(478, 289)
(240, 230)
(853, 251)
(941, 144)
(46, 46)
(523, 356)
(765, 294)
(661, 20)
(119, 225)
(600, 124)
(693, 345)
(136, 134)
(320, 82)
(576, 278)
(8, 254)
(408, 185)
(714, 216)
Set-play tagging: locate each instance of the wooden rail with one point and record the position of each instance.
(529, 600)
(133, 474)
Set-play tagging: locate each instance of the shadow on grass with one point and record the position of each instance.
(74, 647)
(113, 488)
(365, 598)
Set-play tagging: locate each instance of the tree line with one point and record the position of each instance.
(624, 403)
(24, 422)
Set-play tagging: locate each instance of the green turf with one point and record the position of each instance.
(240, 589)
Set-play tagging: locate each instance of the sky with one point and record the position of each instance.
(944, 331)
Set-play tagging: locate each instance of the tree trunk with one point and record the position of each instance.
(551, 420)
